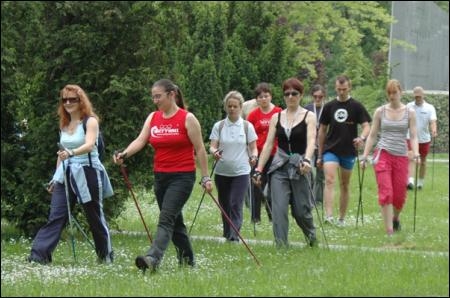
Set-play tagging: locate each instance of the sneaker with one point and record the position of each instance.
(410, 186)
(146, 262)
(233, 240)
(329, 220)
(340, 223)
(419, 186)
(109, 259)
(31, 259)
(396, 225)
(312, 240)
(185, 259)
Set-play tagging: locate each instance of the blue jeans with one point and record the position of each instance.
(172, 191)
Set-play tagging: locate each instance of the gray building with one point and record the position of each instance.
(424, 60)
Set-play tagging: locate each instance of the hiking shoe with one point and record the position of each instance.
(31, 259)
(146, 262)
(340, 223)
(109, 259)
(410, 186)
(329, 220)
(396, 225)
(185, 259)
(312, 240)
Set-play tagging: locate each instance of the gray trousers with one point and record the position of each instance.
(292, 191)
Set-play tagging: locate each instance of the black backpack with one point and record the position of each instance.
(100, 144)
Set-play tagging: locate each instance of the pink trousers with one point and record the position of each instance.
(391, 173)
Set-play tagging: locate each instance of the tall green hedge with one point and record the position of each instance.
(116, 50)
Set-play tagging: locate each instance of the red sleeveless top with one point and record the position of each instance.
(174, 151)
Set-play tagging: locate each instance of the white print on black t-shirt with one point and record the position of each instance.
(341, 115)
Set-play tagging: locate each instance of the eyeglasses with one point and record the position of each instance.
(70, 100)
(158, 96)
(318, 96)
(293, 93)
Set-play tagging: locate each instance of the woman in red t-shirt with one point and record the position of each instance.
(260, 118)
(175, 135)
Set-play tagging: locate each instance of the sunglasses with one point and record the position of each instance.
(70, 100)
(293, 93)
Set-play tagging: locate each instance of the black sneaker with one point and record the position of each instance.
(185, 259)
(109, 259)
(396, 225)
(31, 259)
(146, 262)
(312, 240)
(410, 186)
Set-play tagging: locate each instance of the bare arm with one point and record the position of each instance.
(413, 133)
(322, 136)
(311, 135)
(372, 136)
(253, 152)
(433, 128)
(359, 141)
(195, 135)
(214, 149)
(268, 145)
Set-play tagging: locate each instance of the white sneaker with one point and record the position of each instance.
(329, 220)
(340, 223)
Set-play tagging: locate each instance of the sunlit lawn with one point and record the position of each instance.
(360, 261)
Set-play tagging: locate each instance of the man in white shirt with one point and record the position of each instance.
(426, 129)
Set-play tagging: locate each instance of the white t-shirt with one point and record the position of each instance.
(425, 113)
(235, 157)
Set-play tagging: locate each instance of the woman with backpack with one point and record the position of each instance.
(79, 177)
(233, 145)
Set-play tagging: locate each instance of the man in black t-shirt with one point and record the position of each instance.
(338, 144)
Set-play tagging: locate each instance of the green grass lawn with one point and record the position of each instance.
(360, 261)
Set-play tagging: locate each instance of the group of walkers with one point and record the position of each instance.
(287, 157)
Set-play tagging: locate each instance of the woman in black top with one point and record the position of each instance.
(295, 130)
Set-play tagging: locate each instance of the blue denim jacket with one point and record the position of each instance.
(78, 177)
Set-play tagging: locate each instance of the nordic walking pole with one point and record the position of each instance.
(317, 211)
(203, 195)
(127, 182)
(360, 181)
(432, 169)
(234, 228)
(415, 192)
(252, 204)
(66, 188)
(77, 224)
(125, 177)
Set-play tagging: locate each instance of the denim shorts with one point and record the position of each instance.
(346, 162)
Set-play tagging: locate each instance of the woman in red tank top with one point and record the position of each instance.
(175, 134)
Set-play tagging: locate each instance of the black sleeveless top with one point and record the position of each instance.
(297, 140)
